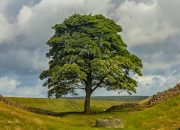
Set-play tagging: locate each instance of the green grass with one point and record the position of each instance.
(64, 105)
(163, 116)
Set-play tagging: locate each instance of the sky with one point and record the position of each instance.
(151, 29)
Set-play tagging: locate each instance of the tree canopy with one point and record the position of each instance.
(87, 52)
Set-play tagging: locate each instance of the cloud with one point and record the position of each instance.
(153, 21)
(145, 22)
(151, 29)
(151, 84)
(12, 87)
(7, 32)
(170, 10)
(160, 59)
(32, 28)
(35, 22)
(3, 5)
(22, 61)
(8, 85)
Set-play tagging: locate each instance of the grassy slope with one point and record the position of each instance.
(63, 105)
(16, 119)
(164, 116)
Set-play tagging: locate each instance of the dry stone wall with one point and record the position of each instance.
(123, 107)
(162, 96)
(31, 109)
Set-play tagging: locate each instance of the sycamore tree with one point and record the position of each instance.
(87, 52)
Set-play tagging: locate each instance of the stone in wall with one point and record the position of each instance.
(162, 96)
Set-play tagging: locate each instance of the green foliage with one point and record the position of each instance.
(88, 49)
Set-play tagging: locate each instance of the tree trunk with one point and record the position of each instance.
(87, 106)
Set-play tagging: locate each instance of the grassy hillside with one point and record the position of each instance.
(163, 116)
(16, 119)
(64, 105)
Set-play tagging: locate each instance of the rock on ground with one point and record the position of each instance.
(109, 123)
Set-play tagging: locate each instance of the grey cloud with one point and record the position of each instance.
(22, 61)
(11, 87)
(12, 8)
(151, 84)
(170, 11)
(145, 21)
(159, 58)
(151, 30)
(26, 53)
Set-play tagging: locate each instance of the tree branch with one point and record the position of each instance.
(99, 83)
(79, 88)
